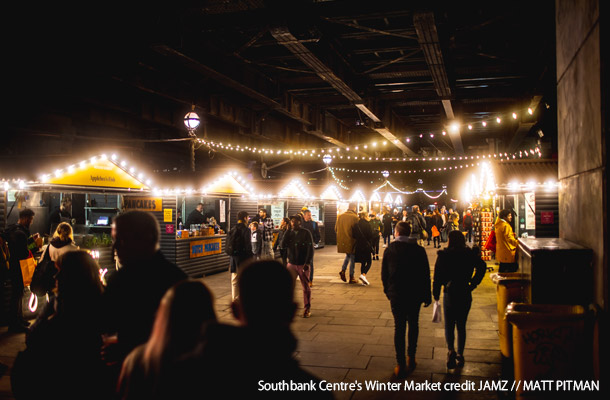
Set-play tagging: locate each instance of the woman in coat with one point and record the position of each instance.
(437, 221)
(506, 244)
(459, 269)
(284, 227)
(364, 237)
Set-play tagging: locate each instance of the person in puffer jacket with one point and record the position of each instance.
(506, 243)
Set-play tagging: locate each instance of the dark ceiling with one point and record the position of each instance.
(278, 75)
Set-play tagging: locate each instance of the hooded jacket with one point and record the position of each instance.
(506, 244)
(58, 248)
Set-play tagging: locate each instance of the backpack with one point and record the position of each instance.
(43, 279)
(235, 242)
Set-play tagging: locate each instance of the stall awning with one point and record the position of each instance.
(231, 184)
(295, 189)
(332, 193)
(99, 172)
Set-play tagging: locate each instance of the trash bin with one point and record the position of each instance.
(561, 272)
(510, 287)
(550, 342)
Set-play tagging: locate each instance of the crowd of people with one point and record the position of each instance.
(148, 331)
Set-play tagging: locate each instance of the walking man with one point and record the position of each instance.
(299, 243)
(346, 241)
(266, 225)
(405, 273)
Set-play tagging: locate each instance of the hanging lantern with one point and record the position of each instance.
(327, 159)
(385, 174)
(191, 120)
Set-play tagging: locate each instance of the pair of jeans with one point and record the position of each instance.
(304, 278)
(456, 314)
(403, 312)
(386, 239)
(437, 239)
(351, 259)
(469, 234)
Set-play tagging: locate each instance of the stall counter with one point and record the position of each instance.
(202, 255)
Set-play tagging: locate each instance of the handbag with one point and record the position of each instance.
(490, 243)
(424, 234)
(437, 317)
(28, 266)
(435, 231)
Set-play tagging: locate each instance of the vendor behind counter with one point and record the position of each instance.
(196, 217)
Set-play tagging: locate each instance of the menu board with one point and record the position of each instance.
(277, 213)
(530, 209)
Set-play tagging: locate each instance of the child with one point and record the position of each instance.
(257, 240)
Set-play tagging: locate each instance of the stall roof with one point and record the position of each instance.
(523, 171)
(101, 171)
(230, 183)
(295, 188)
(332, 192)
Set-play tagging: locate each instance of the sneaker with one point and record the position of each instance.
(365, 281)
(451, 357)
(459, 360)
(400, 371)
(342, 275)
(377, 257)
(384, 245)
(306, 314)
(352, 280)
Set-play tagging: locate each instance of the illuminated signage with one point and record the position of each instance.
(143, 203)
(201, 248)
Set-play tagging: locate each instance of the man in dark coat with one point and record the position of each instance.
(405, 273)
(241, 243)
(418, 224)
(196, 217)
(20, 242)
(133, 293)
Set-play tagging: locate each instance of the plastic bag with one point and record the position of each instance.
(437, 316)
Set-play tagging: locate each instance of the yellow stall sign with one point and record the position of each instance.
(143, 203)
(201, 248)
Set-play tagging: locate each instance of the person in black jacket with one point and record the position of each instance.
(133, 293)
(196, 217)
(454, 270)
(242, 248)
(20, 242)
(386, 231)
(405, 273)
(364, 236)
(299, 243)
(312, 227)
(284, 227)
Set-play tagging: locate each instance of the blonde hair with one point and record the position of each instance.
(64, 232)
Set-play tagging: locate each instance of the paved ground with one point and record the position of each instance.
(349, 337)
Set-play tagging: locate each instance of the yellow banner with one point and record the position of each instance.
(142, 203)
(99, 173)
(200, 248)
